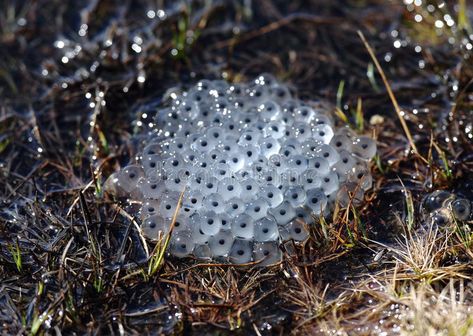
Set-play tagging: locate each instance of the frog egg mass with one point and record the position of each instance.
(256, 166)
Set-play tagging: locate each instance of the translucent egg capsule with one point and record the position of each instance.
(249, 189)
(266, 229)
(181, 244)
(341, 142)
(155, 227)
(297, 230)
(251, 153)
(461, 209)
(214, 202)
(129, 177)
(329, 183)
(182, 223)
(208, 221)
(168, 205)
(153, 165)
(241, 251)
(257, 209)
(269, 110)
(202, 252)
(316, 200)
(249, 138)
(361, 176)
(296, 163)
(319, 165)
(328, 153)
(267, 253)
(228, 188)
(274, 129)
(271, 194)
(322, 133)
(265, 79)
(280, 93)
(350, 193)
(309, 147)
(176, 181)
(234, 206)
(304, 113)
(296, 196)
(209, 186)
(152, 188)
(364, 147)
(269, 146)
(436, 200)
(152, 149)
(149, 208)
(310, 179)
(305, 215)
(283, 213)
(235, 161)
(221, 243)
(221, 171)
(302, 131)
(344, 165)
(198, 236)
(243, 226)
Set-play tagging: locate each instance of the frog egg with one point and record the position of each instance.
(228, 188)
(436, 200)
(274, 129)
(305, 216)
(152, 188)
(439, 217)
(221, 243)
(234, 206)
(328, 153)
(283, 213)
(296, 196)
(176, 181)
(266, 229)
(302, 131)
(241, 251)
(269, 177)
(168, 204)
(236, 90)
(257, 209)
(251, 153)
(149, 208)
(243, 226)
(177, 145)
(249, 137)
(225, 221)
(350, 193)
(289, 148)
(153, 164)
(209, 186)
(154, 227)
(129, 177)
(198, 236)
(361, 175)
(208, 222)
(202, 252)
(319, 165)
(316, 200)
(203, 145)
(345, 164)
(269, 146)
(309, 147)
(221, 171)
(297, 230)
(461, 209)
(269, 110)
(321, 119)
(304, 113)
(271, 194)
(181, 223)
(192, 199)
(330, 182)
(214, 202)
(190, 156)
(364, 147)
(280, 93)
(310, 179)
(296, 163)
(249, 189)
(181, 244)
(267, 253)
(322, 133)
(235, 161)
(341, 142)
(275, 162)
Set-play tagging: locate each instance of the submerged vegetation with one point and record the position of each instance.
(79, 82)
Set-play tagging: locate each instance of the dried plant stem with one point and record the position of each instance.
(390, 93)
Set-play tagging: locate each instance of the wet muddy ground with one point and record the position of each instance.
(75, 80)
